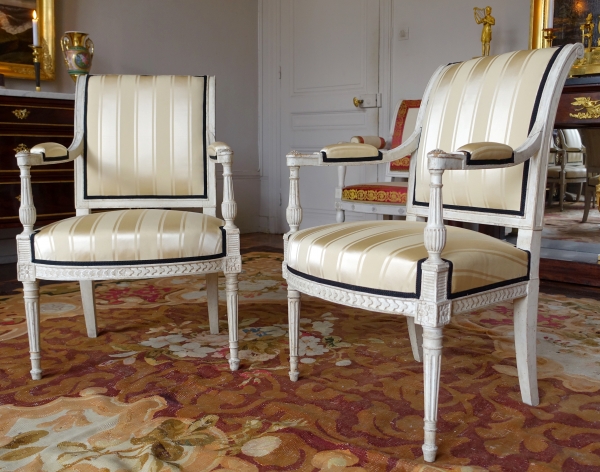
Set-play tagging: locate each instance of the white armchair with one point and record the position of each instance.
(142, 144)
(488, 122)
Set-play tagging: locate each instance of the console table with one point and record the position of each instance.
(27, 119)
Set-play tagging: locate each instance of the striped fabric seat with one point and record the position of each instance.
(377, 192)
(384, 257)
(130, 237)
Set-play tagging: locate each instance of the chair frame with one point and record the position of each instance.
(28, 272)
(374, 208)
(427, 315)
(562, 179)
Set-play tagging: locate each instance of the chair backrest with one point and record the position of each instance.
(145, 141)
(406, 113)
(591, 140)
(490, 99)
(571, 142)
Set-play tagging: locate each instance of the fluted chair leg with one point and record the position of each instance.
(294, 331)
(525, 322)
(88, 300)
(31, 295)
(231, 289)
(432, 357)
(212, 298)
(415, 334)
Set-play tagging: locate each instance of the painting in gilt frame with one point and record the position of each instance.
(565, 17)
(16, 34)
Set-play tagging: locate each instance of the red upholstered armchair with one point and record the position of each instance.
(387, 197)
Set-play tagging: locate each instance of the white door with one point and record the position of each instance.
(329, 55)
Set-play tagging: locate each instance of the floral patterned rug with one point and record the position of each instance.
(154, 393)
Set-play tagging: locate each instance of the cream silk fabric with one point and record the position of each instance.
(488, 99)
(384, 255)
(130, 235)
(375, 141)
(571, 172)
(350, 151)
(51, 151)
(145, 136)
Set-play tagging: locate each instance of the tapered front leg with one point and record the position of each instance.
(212, 299)
(231, 289)
(294, 330)
(432, 357)
(88, 299)
(31, 295)
(525, 320)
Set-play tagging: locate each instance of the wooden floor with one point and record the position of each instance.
(557, 276)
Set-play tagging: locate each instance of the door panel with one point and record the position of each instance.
(329, 55)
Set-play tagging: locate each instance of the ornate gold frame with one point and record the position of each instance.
(45, 10)
(538, 21)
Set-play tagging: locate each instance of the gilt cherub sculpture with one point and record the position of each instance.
(484, 16)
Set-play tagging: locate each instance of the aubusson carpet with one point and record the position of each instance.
(154, 393)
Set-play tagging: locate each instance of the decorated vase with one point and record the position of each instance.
(78, 51)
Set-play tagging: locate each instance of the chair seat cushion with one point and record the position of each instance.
(377, 192)
(123, 237)
(384, 257)
(571, 172)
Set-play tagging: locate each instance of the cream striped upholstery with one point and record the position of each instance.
(145, 136)
(130, 236)
(383, 256)
(488, 99)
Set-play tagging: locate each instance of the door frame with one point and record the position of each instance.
(269, 106)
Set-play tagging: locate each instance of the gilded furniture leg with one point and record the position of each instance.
(212, 299)
(31, 295)
(525, 321)
(88, 300)
(415, 333)
(432, 356)
(294, 331)
(231, 289)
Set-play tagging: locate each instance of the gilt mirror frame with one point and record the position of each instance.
(539, 15)
(45, 11)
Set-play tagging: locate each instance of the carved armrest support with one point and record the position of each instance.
(50, 153)
(223, 154)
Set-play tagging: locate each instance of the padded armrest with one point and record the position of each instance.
(51, 151)
(376, 141)
(350, 152)
(487, 153)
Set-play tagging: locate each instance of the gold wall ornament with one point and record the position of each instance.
(25, 69)
(21, 114)
(484, 16)
(592, 108)
(21, 148)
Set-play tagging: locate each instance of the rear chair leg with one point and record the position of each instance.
(88, 300)
(294, 329)
(231, 289)
(525, 320)
(31, 295)
(212, 297)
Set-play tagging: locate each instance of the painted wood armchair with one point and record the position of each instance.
(487, 122)
(570, 168)
(145, 147)
(387, 197)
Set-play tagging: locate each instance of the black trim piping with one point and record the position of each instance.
(143, 197)
(379, 157)
(51, 159)
(132, 263)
